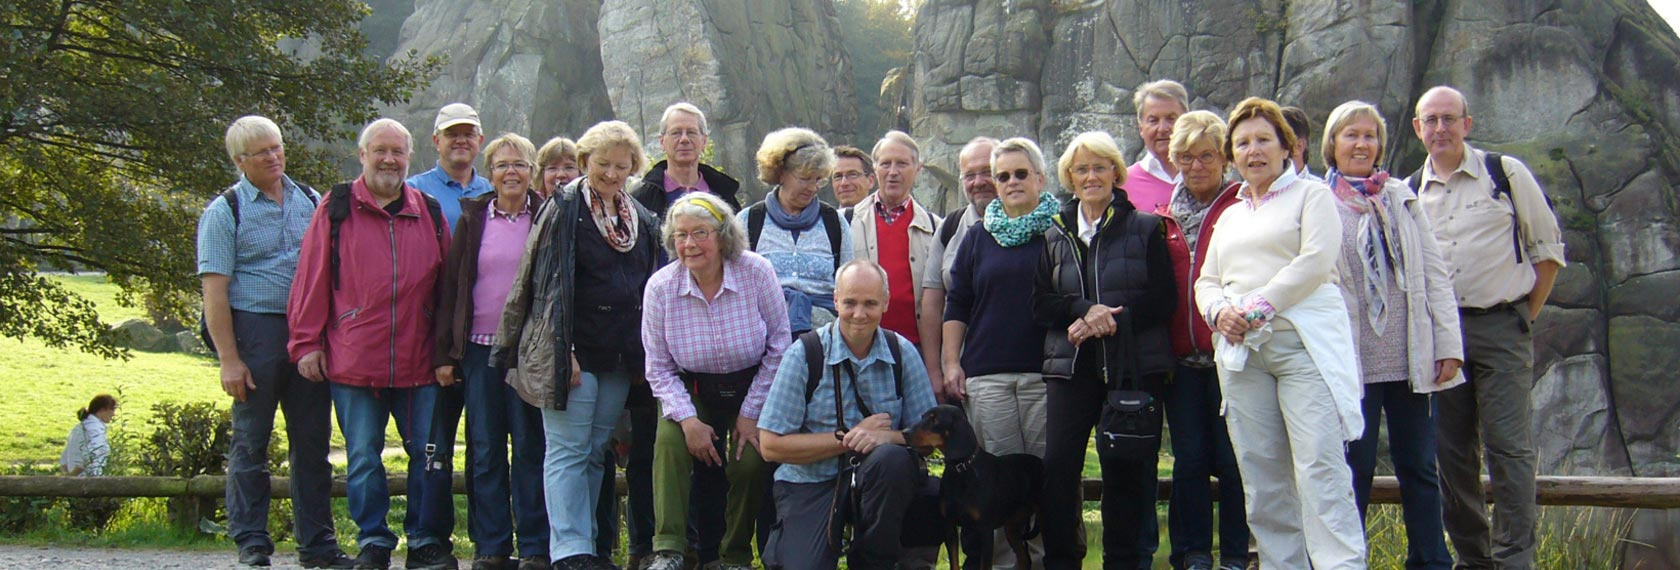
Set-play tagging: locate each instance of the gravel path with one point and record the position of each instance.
(75, 558)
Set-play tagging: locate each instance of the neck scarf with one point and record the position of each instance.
(617, 227)
(1375, 241)
(1013, 232)
(793, 223)
(1188, 212)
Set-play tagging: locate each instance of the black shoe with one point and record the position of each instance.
(374, 557)
(533, 563)
(492, 563)
(332, 559)
(254, 556)
(584, 562)
(431, 557)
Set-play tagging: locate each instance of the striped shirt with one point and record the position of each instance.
(259, 254)
(746, 324)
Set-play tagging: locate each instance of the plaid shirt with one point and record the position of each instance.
(890, 215)
(260, 252)
(746, 324)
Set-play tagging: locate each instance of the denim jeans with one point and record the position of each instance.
(361, 418)
(308, 407)
(496, 416)
(574, 462)
(1201, 450)
(1411, 445)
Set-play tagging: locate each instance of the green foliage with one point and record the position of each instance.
(112, 116)
(877, 36)
(192, 439)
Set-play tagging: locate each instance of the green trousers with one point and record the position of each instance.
(672, 466)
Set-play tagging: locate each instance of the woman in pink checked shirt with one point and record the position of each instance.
(714, 325)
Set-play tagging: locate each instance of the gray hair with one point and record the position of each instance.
(860, 262)
(1022, 145)
(732, 239)
(380, 124)
(793, 149)
(899, 137)
(246, 129)
(1161, 89)
(683, 107)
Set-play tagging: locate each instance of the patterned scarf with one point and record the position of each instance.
(618, 227)
(1375, 240)
(1188, 212)
(1013, 232)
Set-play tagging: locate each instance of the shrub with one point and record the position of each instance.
(191, 439)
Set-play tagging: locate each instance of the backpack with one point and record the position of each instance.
(814, 365)
(231, 197)
(1494, 163)
(948, 227)
(830, 219)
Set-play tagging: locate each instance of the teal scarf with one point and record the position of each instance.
(1012, 232)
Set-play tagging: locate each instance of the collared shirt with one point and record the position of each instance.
(1474, 229)
(437, 184)
(1307, 173)
(259, 254)
(746, 324)
(890, 215)
(786, 412)
(675, 190)
(946, 253)
(1154, 167)
(1087, 228)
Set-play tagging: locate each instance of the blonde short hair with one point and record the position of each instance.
(249, 128)
(555, 150)
(526, 150)
(1345, 114)
(1161, 89)
(608, 134)
(732, 240)
(1095, 142)
(793, 149)
(1265, 109)
(1194, 128)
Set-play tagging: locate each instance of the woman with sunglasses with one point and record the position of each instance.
(1104, 290)
(714, 326)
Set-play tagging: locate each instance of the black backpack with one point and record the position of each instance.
(1494, 163)
(814, 365)
(231, 197)
(948, 227)
(830, 219)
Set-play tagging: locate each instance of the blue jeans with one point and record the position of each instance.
(361, 418)
(495, 416)
(574, 463)
(1411, 445)
(261, 339)
(1201, 450)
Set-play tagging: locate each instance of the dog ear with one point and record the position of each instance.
(960, 441)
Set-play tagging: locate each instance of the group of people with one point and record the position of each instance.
(766, 358)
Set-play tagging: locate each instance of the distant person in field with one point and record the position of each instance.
(248, 243)
(86, 449)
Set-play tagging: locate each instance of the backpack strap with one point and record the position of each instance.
(814, 363)
(846, 213)
(1495, 164)
(831, 224)
(1416, 181)
(231, 196)
(435, 208)
(755, 224)
(338, 209)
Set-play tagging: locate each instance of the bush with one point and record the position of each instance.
(191, 439)
(23, 514)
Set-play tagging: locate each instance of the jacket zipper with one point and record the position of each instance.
(391, 231)
(1096, 278)
(1190, 286)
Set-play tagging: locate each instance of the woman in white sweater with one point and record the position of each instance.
(1284, 350)
(87, 449)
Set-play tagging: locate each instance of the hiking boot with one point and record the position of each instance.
(254, 555)
(333, 559)
(374, 557)
(533, 563)
(431, 557)
(492, 563)
(665, 560)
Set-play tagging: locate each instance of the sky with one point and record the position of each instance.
(1670, 10)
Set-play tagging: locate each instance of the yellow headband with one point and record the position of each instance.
(709, 208)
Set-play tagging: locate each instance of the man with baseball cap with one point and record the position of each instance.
(458, 136)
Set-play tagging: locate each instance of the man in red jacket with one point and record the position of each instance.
(360, 309)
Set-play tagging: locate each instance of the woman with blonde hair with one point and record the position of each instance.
(804, 238)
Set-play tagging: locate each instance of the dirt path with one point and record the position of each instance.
(77, 558)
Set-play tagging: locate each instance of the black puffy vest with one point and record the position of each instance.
(1116, 268)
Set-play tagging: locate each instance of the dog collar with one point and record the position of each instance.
(960, 466)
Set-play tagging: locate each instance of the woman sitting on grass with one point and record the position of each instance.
(87, 449)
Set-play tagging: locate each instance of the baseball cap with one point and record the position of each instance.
(455, 114)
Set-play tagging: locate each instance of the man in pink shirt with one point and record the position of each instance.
(1150, 181)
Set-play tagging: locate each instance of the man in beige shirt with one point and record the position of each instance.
(1504, 251)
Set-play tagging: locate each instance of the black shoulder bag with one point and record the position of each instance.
(1131, 417)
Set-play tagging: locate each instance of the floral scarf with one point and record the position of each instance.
(618, 227)
(1013, 232)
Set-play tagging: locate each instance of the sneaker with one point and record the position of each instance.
(254, 556)
(374, 557)
(665, 560)
(431, 557)
(1198, 561)
(492, 563)
(1236, 565)
(533, 563)
(333, 559)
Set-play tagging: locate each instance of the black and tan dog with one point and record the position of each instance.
(981, 492)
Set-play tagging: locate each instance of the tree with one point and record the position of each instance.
(112, 116)
(877, 36)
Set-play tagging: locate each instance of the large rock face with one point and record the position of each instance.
(531, 67)
(753, 66)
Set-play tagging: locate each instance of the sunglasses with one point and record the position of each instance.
(1020, 174)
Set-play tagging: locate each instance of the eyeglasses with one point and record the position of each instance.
(1434, 121)
(1185, 160)
(269, 152)
(506, 166)
(852, 176)
(699, 236)
(1020, 174)
(1087, 169)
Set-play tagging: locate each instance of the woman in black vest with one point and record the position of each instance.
(1104, 289)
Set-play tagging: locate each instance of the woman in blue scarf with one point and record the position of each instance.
(803, 238)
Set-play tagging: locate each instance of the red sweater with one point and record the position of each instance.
(894, 253)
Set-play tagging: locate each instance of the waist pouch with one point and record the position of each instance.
(720, 392)
(1130, 426)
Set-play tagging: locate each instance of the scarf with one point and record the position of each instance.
(1374, 240)
(793, 223)
(1012, 232)
(617, 227)
(1189, 213)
